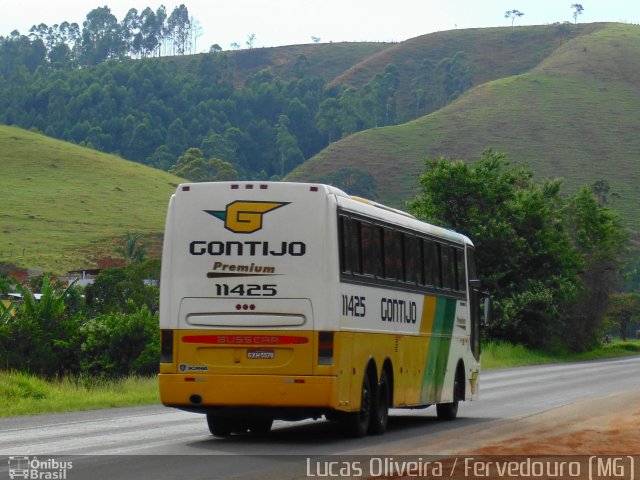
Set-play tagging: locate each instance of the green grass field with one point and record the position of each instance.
(504, 355)
(22, 394)
(66, 206)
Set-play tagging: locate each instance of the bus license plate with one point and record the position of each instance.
(261, 354)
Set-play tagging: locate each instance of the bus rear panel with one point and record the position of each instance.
(242, 267)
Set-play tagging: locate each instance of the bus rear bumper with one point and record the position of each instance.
(204, 392)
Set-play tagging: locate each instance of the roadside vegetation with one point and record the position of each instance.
(550, 261)
(28, 394)
(508, 355)
(107, 330)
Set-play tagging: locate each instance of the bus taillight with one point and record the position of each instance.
(166, 346)
(325, 348)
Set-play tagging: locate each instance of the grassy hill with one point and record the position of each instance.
(574, 115)
(326, 60)
(66, 207)
(493, 53)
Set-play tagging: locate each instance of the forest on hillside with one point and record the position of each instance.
(131, 88)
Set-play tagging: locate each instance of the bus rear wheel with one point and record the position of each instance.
(380, 411)
(356, 424)
(219, 426)
(261, 425)
(449, 411)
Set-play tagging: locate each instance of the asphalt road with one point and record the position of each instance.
(161, 443)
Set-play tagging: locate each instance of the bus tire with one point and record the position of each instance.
(260, 426)
(380, 410)
(449, 411)
(356, 424)
(219, 426)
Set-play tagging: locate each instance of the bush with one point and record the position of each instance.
(117, 289)
(40, 336)
(116, 344)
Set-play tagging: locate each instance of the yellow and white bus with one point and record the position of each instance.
(291, 301)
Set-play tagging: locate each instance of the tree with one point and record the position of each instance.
(420, 98)
(327, 119)
(577, 10)
(132, 250)
(195, 167)
(219, 146)
(623, 311)
(124, 289)
(530, 256)
(150, 35)
(196, 33)
(381, 93)
(179, 28)
(351, 114)
(177, 136)
(513, 14)
(454, 76)
(101, 37)
(131, 31)
(289, 152)
(599, 238)
(251, 39)
(142, 142)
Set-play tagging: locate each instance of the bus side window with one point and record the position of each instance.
(412, 260)
(368, 263)
(345, 244)
(439, 276)
(430, 263)
(356, 247)
(471, 264)
(445, 266)
(378, 250)
(391, 255)
(462, 274)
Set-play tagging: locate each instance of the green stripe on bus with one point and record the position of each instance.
(438, 353)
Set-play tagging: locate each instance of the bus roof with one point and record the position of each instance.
(352, 202)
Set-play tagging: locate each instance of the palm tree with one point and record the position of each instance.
(132, 250)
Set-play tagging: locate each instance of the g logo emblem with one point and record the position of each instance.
(245, 216)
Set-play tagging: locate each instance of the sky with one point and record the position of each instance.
(290, 22)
